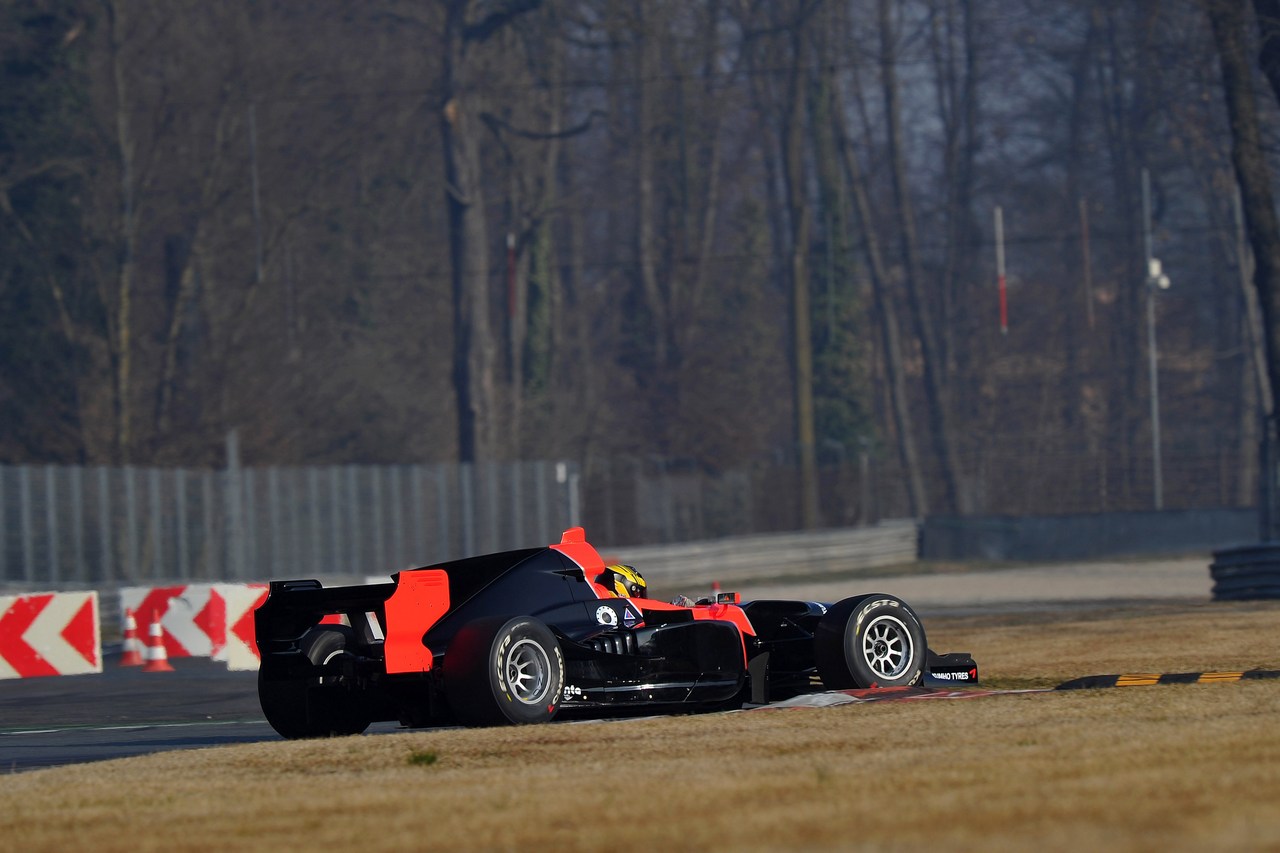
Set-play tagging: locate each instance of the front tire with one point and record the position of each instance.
(870, 641)
(504, 672)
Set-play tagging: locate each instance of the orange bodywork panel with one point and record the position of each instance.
(723, 612)
(420, 599)
(573, 544)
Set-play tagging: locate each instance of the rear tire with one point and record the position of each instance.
(504, 672)
(320, 705)
(870, 641)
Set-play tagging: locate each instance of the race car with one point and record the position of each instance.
(524, 636)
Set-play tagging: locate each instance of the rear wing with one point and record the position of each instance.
(391, 617)
(294, 607)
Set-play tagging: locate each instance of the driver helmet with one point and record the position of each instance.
(623, 581)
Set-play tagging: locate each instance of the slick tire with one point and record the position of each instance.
(504, 671)
(319, 706)
(870, 641)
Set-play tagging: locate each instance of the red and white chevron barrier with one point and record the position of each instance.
(192, 615)
(201, 620)
(241, 601)
(50, 633)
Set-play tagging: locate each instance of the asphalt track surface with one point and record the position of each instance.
(47, 722)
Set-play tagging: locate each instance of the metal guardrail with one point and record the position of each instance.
(679, 567)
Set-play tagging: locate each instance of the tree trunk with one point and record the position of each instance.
(801, 312)
(940, 433)
(474, 348)
(1228, 21)
(127, 242)
(1268, 12)
(646, 249)
(1252, 172)
(891, 330)
(186, 274)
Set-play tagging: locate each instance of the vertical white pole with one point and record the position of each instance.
(1156, 464)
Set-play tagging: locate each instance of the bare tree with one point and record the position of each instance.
(1253, 174)
(941, 434)
(462, 102)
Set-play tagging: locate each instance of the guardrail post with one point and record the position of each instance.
(417, 514)
(234, 494)
(444, 542)
(181, 539)
(214, 567)
(105, 545)
(355, 529)
(395, 474)
(335, 518)
(313, 512)
(158, 569)
(277, 526)
(467, 490)
(249, 559)
(51, 521)
(131, 568)
(4, 529)
(28, 535)
(376, 526)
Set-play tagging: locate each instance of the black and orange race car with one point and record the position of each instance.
(524, 636)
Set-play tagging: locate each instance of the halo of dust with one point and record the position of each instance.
(1178, 767)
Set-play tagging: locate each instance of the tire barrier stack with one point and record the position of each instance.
(1247, 572)
(49, 633)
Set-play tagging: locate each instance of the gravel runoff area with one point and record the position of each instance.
(1016, 588)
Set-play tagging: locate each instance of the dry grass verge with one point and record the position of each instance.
(1188, 767)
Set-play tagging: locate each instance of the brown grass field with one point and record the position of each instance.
(1140, 768)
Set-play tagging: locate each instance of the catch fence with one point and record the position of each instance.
(66, 527)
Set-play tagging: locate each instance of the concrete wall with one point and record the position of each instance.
(1074, 537)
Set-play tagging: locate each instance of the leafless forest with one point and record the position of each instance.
(704, 235)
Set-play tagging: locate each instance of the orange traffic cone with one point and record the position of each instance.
(132, 645)
(157, 655)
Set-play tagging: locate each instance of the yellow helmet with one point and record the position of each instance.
(625, 581)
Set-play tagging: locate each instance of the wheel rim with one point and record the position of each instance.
(329, 679)
(528, 672)
(886, 647)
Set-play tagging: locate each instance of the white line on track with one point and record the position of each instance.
(132, 727)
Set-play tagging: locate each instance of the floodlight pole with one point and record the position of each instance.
(1155, 279)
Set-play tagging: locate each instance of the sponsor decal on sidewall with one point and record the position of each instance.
(499, 661)
(950, 676)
